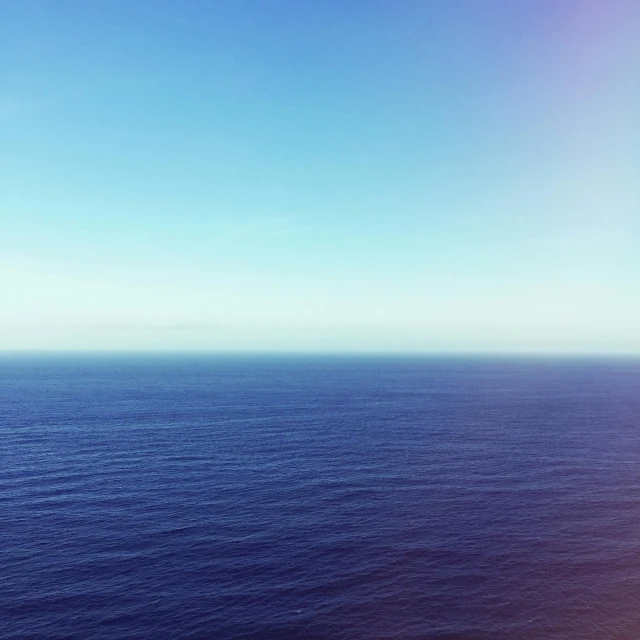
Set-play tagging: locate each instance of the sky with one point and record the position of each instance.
(362, 175)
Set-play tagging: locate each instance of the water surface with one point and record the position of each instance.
(319, 498)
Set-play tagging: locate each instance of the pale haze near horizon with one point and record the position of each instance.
(325, 176)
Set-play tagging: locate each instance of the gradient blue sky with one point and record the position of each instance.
(430, 175)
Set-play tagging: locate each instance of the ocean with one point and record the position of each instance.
(319, 497)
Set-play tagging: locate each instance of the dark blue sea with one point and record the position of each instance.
(319, 498)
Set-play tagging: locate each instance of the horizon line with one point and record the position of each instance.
(328, 353)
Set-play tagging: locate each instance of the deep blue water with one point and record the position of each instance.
(319, 498)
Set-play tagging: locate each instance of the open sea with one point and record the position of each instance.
(319, 498)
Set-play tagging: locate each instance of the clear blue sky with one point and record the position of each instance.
(429, 175)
